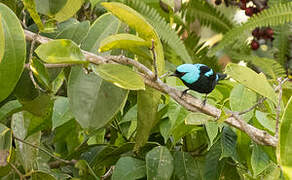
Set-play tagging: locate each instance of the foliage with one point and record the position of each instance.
(65, 116)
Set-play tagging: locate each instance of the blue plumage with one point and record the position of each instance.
(198, 77)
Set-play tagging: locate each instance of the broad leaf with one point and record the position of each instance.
(14, 54)
(8, 109)
(185, 167)
(128, 168)
(252, 80)
(61, 51)
(197, 119)
(68, 10)
(41, 175)
(93, 101)
(212, 164)
(132, 18)
(228, 144)
(5, 144)
(61, 112)
(259, 160)
(266, 121)
(144, 29)
(85, 171)
(122, 41)
(2, 40)
(76, 31)
(27, 153)
(285, 143)
(242, 99)
(212, 131)
(121, 76)
(102, 27)
(49, 7)
(159, 163)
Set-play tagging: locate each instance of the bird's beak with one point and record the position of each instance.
(174, 74)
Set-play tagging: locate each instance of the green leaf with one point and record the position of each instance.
(144, 29)
(259, 160)
(85, 171)
(49, 7)
(122, 41)
(41, 175)
(15, 52)
(159, 163)
(31, 8)
(197, 119)
(212, 131)
(36, 123)
(212, 164)
(61, 112)
(27, 154)
(61, 51)
(242, 99)
(68, 10)
(266, 121)
(228, 144)
(185, 167)
(102, 27)
(132, 18)
(251, 80)
(2, 40)
(40, 72)
(76, 31)
(5, 144)
(121, 76)
(93, 3)
(91, 97)
(128, 168)
(148, 102)
(9, 108)
(285, 143)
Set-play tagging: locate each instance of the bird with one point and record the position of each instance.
(198, 77)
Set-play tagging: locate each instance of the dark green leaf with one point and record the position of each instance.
(61, 112)
(259, 160)
(128, 168)
(159, 163)
(228, 144)
(185, 167)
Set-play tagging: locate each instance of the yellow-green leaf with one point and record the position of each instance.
(139, 23)
(285, 143)
(252, 80)
(70, 8)
(2, 40)
(132, 18)
(61, 51)
(122, 41)
(121, 76)
(31, 8)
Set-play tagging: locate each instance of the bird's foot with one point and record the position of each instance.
(204, 102)
(184, 92)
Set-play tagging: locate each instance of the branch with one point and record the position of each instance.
(21, 176)
(188, 101)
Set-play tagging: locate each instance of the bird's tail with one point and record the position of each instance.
(221, 76)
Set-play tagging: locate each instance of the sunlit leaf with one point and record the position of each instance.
(61, 51)
(31, 8)
(251, 80)
(122, 41)
(121, 76)
(68, 10)
(285, 143)
(2, 40)
(128, 168)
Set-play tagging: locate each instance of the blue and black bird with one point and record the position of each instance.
(198, 77)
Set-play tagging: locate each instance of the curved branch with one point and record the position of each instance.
(188, 101)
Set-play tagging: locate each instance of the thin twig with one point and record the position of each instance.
(154, 60)
(43, 150)
(165, 74)
(108, 173)
(21, 176)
